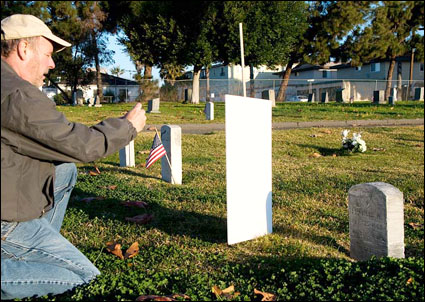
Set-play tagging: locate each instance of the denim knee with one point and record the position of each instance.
(65, 176)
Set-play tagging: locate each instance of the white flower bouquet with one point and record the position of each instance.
(355, 144)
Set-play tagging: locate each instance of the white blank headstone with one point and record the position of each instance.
(248, 168)
(127, 155)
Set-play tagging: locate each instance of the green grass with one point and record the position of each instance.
(178, 113)
(184, 250)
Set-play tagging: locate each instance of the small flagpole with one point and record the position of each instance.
(166, 156)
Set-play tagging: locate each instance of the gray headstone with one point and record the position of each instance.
(419, 94)
(127, 155)
(379, 97)
(269, 95)
(187, 94)
(153, 106)
(394, 94)
(376, 221)
(171, 136)
(325, 97)
(209, 111)
(311, 97)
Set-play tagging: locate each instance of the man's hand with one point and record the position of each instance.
(137, 117)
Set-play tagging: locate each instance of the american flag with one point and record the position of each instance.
(157, 151)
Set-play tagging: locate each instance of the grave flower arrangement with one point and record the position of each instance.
(355, 144)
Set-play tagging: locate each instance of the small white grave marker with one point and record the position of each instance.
(248, 168)
(127, 155)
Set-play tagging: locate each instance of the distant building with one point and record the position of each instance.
(115, 89)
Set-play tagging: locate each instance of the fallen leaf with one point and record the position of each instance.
(138, 204)
(140, 219)
(114, 248)
(415, 225)
(132, 251)
(410, 280)
(151, 128)
(90, 199)
(186, 297)
(226, 293)
(162, 298)
(334, 155)
(266, 296)
(97, 169)
(316, 155)
(93, 173)
(111, 187)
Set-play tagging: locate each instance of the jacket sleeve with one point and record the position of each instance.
(32, 126)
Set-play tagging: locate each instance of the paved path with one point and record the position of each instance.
(208, 128)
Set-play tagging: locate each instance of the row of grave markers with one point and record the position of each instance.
(376, 211)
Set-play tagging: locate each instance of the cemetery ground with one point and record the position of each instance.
(183, 249)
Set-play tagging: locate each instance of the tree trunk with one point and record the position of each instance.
(389, 79)
(207, 74)
(284, 84)
(98, 73)
(195, 84)
(68, 99)
(251, 82)
(148, 72)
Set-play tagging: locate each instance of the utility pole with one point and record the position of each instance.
(412, 57)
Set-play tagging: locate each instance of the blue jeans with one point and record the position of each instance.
(36, 259)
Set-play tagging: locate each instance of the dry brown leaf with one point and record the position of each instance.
(132, 251)
(93, 173)
(415, 225)
(162, 298)
(266, 296)
(140, 219)
(97, 169)
(138, 204)
(114, 248)
(316, 155)
(410, 280)
(226, 293)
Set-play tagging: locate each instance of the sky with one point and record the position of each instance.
(122, 60)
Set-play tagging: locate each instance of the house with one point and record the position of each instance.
(115, 89)
(356, 83)
(227, 79)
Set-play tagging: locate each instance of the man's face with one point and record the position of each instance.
(41, 61)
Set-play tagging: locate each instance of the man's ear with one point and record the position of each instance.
(22, 49)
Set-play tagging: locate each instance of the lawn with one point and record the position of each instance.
(183, 249)
(178, 113)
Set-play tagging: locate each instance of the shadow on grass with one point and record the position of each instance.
(204, 227)
(326, 151)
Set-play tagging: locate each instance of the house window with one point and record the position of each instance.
(326, 74)
(222, 71)
(375, 67)
(422, 67)
(358, 68)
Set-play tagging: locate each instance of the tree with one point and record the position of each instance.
(271, 30)
(116, 71)
(390, 34)
(328, 23)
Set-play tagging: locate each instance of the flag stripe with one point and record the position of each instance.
(154, 158)
(157, 151)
